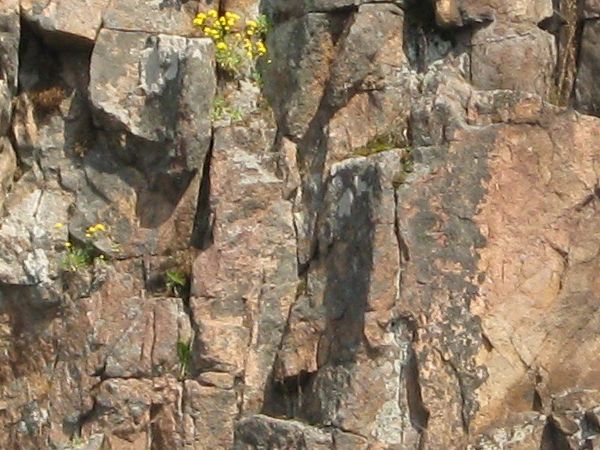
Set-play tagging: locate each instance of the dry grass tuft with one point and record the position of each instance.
(48, 99)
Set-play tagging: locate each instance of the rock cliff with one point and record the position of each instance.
(395, 245)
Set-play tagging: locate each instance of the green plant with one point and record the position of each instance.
(184, 354)
(408, 166)
(381, 143)
(222, 110)
(76, 258)
(77, 441)
(78, 255)
(238, 43)
(176, 280)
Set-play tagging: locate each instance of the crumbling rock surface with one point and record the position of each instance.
(400, 252)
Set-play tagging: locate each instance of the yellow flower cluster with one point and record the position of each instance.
(92, 230)
(238, 43)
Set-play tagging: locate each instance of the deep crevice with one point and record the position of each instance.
(553, 438)
(202, 237)
(285, 398)
(418, 412)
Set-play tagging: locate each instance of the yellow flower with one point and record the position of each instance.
(68, 244)
(250, 32)
(251, 24)
(249, 54)
(212, 13)
(88, 235)
(100, 227)
(222, 46)
(59, 225)
(222, 20)
(261, 48)
(201, 16)
(231, 15)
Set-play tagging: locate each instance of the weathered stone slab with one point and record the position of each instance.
(143, 83)
(152, 16)
(65, 19)
(520, 58)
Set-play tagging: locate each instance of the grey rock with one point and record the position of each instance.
(29, 237)
(154, 87)
(301, 51)
(587, 91)
(65, 22)
(211, 413)
(591, 9)
(8, 166)
(257, 432)
(152, 16)
(9, 59)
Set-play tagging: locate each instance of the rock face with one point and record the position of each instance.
(399, 251)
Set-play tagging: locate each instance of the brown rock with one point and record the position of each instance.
(540, 267)
(241, 319)
(211, 413)
(307, 45)
(462, 12)
(516, 57)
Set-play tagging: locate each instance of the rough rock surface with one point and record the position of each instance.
(399, 251)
